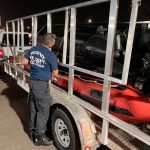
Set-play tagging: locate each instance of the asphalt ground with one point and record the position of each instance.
(14, 114)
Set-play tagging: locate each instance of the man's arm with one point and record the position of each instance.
(25, 61)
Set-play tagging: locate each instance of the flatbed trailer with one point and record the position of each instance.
(75, 123)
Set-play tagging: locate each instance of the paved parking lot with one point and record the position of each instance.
(14, 112)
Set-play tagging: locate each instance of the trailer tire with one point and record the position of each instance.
(63, 131)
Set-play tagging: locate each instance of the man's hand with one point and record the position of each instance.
(55, 80)
(55, 74)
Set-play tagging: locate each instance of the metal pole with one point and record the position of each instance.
(18, 35)
(49, 23)
(65, 36)
(22, 34)
(72, 50)
(108, 66)
(7, 41)
(14, 44)
(34, 31)
(131, 32)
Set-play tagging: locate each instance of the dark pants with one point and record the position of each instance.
(39, 99)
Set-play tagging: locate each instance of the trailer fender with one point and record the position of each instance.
(83, 122)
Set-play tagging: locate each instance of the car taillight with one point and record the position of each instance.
(1, 53)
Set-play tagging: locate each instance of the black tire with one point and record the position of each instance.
(66, 138)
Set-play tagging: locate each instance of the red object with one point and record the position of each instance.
(1, 53)
(126, 102)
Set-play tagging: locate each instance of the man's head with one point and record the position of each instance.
(48, 39)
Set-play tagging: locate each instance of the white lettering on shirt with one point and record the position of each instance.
(37, 59)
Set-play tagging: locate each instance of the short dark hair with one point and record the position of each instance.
(47, 38)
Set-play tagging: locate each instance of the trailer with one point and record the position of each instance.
(76, 123)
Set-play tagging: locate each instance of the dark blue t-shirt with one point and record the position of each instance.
(42, 61)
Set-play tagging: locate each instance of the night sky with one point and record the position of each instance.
(12, 9)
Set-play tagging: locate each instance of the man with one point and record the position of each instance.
(43, 68)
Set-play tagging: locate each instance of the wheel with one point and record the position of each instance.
(64, 134)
